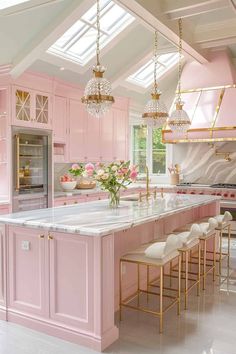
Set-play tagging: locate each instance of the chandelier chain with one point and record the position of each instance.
(98, 33)
(155, 61)
(180, 58)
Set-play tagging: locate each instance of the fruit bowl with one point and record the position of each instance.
(68, 186)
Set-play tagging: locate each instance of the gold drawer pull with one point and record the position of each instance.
(64, 203)
(75, 202)
(50, 237)
(41, 236)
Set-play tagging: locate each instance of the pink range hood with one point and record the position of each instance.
(209, 93)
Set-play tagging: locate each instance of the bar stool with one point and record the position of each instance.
(190, 239)
(157, 255)
(207, 233)
(223, 223)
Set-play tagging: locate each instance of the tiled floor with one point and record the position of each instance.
(208, 327)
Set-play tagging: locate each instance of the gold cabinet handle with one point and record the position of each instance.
(50, 237)
(64, 203)
(41, 236)
(75, 202)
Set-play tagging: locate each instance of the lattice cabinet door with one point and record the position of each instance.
(41, 109)
(23, 106)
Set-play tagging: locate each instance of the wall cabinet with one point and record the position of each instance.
(31, 108)
(60, 120)
(77, 131)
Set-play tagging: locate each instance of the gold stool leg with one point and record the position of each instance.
(199, 269)
(186, 282)
(229, 236)
(204, 265)
(161, 301)
(214, 258)
(179, 284)
(220, 256)
(170, 273)
(138, 285)
(120, 298)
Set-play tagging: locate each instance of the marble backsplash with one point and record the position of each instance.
(206, 163)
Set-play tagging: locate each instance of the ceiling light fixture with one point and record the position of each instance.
(97, 94)
(155, 112)
(179, 120)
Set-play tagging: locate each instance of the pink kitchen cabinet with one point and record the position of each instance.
(2, 273)
(31, 108)
(71, 280)
(92, 140)
(106, 137)
(60, 120)
(28, 264)
(120, 135)
(4, 209)
(77, 131)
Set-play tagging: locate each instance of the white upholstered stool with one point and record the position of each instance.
(207, 233)
(156, 255)
(190, 238)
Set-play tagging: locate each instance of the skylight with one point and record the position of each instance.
(78, 43)
(144, 76)
(4, 4)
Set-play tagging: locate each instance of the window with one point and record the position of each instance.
(148, 149)
(4, 4)
(144, 76)
(79, 42)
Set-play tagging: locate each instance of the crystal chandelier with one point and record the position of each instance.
(97, 93)
(155, 112)
(179, 120)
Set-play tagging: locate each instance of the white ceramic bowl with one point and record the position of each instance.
(68, 186)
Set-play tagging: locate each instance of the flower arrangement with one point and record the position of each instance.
(114, 176)
(82, 170)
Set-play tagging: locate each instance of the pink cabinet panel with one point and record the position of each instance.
(27, 265)
(77, 132)
(106, 136)
(206, 109)
(120, 135)
(227, 114)
(2, 268)
(92, 139)
(71, 280)
(4, 209)
(60, 119)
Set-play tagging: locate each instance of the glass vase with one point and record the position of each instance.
(114, 199)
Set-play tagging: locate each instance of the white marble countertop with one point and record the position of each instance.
(97, 219)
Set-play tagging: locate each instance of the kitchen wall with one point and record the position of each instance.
(205, 163)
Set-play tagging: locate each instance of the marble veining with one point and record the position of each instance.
(97, 219)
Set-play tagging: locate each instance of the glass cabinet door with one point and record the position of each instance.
(23, 105)
(41, 114)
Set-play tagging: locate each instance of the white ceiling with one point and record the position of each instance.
(29, 29)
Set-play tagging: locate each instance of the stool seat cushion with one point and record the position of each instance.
(224, 219)
(188, 236)
(160, 250)
(208, 226)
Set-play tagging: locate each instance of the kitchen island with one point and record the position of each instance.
(59, 266)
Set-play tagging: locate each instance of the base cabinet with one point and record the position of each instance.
(2, 272)
(71, 280)
(27, 271)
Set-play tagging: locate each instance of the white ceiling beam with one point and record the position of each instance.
(149, 12)
(196, 8)
(26, 6)
(49, 35)
(216, 34)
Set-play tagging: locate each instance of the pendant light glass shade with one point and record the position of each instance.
(179, 120)
(155, 112)
(97, 94)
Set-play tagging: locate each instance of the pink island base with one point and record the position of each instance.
(66, 285)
